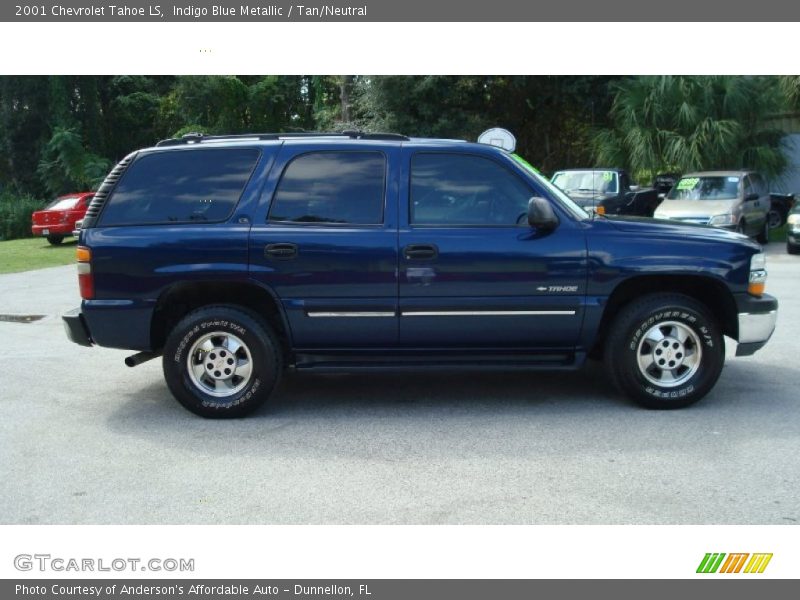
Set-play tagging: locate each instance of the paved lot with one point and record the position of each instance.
(84, 439)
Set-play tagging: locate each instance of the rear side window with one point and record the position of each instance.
(181, 187)
(331, 187)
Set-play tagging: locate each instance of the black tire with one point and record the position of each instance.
(763, 235)
(775, 218)
(55, 240)
(792, 248)
(626, 348)
(236, 396)
(742, 227)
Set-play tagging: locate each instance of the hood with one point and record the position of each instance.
(676, 209)
(656, 227)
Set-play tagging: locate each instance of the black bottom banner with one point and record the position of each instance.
(395, 589)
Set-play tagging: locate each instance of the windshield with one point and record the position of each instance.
(568, 203)
(525, 164)
(595, 182)
(706, 188)
(63, 203)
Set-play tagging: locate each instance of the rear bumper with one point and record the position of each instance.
(57, 229)
(76, 329)
(110, 323)
(757, 318)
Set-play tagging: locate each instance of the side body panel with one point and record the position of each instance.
(340, 288)
(134, 265)
(491, 286)
(620, 249)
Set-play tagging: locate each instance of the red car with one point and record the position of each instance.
(58, 219)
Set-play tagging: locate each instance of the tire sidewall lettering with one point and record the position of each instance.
(243, 396)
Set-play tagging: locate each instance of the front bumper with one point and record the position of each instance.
(757, 317)
(76, 328)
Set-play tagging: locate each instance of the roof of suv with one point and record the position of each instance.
(195, 140)
(200, 138)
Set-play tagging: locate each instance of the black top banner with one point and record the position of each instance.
(670, 13)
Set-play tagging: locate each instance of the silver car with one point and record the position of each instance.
(735, 200)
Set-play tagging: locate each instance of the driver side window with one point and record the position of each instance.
(463, 189)
(748, 187)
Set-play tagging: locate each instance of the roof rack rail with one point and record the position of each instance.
(196, 137)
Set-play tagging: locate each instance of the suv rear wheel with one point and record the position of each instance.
(222, 361)
(55, 240)
(665, 351)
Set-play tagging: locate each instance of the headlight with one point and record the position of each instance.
(758, 274)
(794, 219)
(727, 219)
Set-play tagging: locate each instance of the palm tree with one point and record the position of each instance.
(688, 123)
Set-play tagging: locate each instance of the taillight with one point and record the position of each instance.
(85, 277)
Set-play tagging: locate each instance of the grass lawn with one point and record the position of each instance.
(35, 253)
(778, 234)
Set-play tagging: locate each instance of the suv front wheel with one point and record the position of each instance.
(222, 361)
(664, 351)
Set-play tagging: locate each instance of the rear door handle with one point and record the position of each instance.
(281, 251)
(420, 252)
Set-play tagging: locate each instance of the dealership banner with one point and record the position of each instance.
(408, 11)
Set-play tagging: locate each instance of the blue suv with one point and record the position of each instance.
(236, 257)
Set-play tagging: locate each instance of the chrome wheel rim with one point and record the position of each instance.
(669, 354)
(219, 364)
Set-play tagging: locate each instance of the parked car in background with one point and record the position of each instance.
(780, 205)
(663, 183)
(734, 200)
(607, 191)
(793, 231)
(57, 220)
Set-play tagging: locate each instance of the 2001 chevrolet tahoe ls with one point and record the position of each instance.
(236, 257)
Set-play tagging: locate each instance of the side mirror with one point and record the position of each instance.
(541, 214)
(752, 196)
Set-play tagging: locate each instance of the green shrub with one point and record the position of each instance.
(15, 215)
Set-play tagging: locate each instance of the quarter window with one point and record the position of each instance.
(332, 187)
(181, 187)
(461, 189)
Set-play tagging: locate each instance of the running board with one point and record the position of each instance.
(437, 361)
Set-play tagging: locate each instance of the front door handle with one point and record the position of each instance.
(420, 252)
(281, 251)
